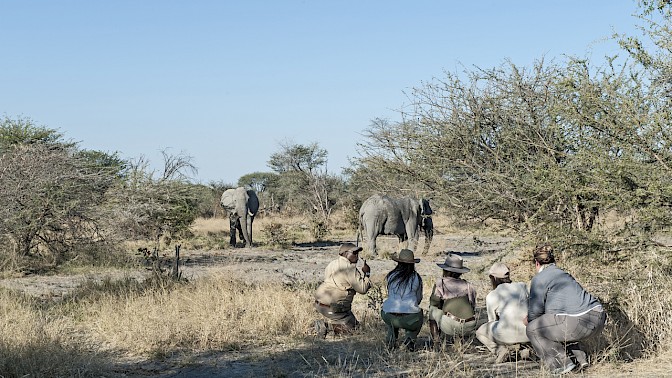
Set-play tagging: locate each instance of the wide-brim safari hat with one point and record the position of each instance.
(406, 256)
(348, 247)
(454, 263)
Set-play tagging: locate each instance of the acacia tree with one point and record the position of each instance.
(305, 184)
(539, 149)
(59, 202)
(479, 146)
(151, 207)
(51, 194)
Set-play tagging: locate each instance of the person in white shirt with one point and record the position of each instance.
(400, 309)
(506, 306)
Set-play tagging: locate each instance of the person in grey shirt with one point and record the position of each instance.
(560, 314)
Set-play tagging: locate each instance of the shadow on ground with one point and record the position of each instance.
(349, 357)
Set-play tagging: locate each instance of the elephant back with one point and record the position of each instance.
(381, 214)
(376, 206)
(409, 207)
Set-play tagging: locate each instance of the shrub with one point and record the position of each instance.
(276, 234)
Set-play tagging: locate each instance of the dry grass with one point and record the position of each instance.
(272, 323)
(32, 343)
(217, 313)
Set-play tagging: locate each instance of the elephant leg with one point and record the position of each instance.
(403, 241)
(246, 226)
(428, 229)
(233, 219)
(241, 236)
(372, 245)
(248, 231)
(400, 242)
(412, 243)
(429, 235)
(413, 233)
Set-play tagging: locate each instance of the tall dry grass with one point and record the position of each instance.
(33, 343)
(217, 313)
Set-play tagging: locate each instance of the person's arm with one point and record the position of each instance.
(491, 306)
(537, 302)
(472, 295)
(360, 282)
(434, 299)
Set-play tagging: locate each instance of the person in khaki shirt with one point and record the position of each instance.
(333, 298)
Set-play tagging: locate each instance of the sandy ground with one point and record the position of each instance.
(300, 264)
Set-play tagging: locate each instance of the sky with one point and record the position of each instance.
(228, 82)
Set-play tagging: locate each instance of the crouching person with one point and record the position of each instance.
(560, 315)
(506, 306)
(452, 303)
(333, 298)
(401, 308)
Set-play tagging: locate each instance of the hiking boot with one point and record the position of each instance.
(563, 369)
(321, 329)
(582, 366)
(580, 358)
(410, 345)
(502, 354)
(525, 354)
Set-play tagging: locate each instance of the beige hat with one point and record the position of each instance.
(454, 264)
(348, 247)
(499, 270)
(406, 256)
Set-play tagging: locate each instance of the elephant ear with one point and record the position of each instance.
(252, 202)
(228, 199)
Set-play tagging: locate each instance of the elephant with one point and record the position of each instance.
(242, 205)
(383, 215)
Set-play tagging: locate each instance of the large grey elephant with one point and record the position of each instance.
(242, 205)
(383, 215)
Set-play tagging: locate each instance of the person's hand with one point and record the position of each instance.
(365, 268)
(525, 321)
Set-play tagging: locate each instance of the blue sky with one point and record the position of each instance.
(227, 81)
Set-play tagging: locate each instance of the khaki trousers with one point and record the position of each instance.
(346, 318)
(450, 326)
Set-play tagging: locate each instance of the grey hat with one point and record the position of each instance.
(406, 256)
(454, 264)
